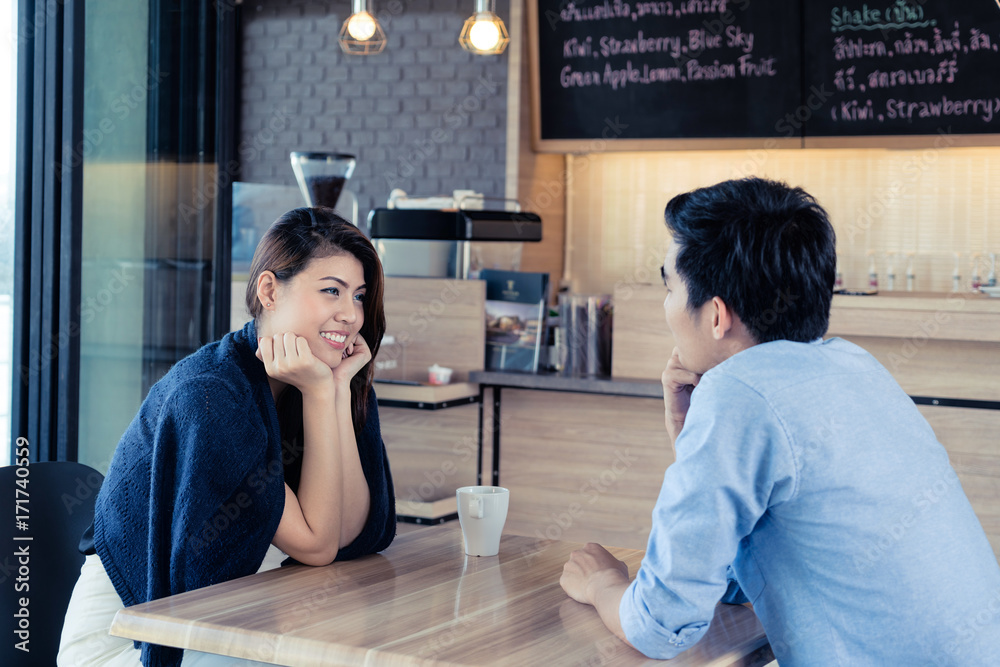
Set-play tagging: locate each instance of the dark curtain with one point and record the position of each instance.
(49, 179)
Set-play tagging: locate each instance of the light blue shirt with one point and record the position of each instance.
(806, 473)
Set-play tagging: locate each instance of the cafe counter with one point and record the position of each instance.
(584, 457)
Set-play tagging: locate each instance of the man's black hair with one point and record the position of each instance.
(766, 249)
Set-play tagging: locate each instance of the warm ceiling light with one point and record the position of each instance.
(361, 26)
(484, 33)
(361, 33)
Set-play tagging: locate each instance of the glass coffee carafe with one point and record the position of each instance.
(322, 176)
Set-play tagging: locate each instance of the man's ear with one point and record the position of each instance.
(723, 318)
(267, 289)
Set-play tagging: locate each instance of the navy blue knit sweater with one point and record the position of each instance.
(195, 489)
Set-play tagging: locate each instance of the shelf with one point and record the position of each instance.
(429, 512)
(426, 396)
(961, 316)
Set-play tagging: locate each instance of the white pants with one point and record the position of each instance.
(85, 640)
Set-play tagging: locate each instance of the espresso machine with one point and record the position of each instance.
(450, 237)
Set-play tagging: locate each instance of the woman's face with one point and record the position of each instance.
(325, 304)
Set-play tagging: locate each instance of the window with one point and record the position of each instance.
(8, 128)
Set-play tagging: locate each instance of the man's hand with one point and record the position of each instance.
(590, 569)
(595, 577)
(678, 383)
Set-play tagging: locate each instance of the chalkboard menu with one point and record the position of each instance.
(787, 69)
(615, 69)
(928, 67)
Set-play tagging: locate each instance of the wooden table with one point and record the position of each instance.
(421, 602)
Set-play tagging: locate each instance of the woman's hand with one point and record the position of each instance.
(356, 355)
(678, 383)
(288, 358)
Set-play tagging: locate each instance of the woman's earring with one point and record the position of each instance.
(268, 304)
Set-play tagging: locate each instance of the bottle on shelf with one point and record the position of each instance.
(991, 278)
(890, 271)
(956, 274)
(977, 282)
(911, 277)
(872, 271)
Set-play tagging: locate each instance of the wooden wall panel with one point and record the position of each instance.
(431, 452)
(917, 316)
(641, 342)
(925, 361)
(437, 320)
(582, 467)
(939, 368)
(931, 202)
(589, 468)
(541, 189)
(972, 438)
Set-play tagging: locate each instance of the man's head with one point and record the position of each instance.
(763, 250)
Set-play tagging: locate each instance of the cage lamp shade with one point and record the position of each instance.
(361, 34)
(484, 32)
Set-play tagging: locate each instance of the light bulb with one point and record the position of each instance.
(484, 34)
(361, 26)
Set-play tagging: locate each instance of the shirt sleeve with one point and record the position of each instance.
(733, 462)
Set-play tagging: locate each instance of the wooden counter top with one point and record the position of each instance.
(961, 316)
(421, 602)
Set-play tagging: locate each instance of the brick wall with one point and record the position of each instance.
(424, 115)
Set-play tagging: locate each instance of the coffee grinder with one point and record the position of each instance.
(321, 176)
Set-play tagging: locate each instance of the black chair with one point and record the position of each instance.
(45, 512)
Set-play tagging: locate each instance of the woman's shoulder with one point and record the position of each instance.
(218, 369)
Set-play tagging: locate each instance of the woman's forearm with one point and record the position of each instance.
(356, 496)
(331, 505)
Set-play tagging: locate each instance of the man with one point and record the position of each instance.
(806, 481)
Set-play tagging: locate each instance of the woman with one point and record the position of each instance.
(267, 438)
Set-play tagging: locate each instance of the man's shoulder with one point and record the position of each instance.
(772, 366)
(786, 356)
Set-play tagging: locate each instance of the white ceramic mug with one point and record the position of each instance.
(482, 511)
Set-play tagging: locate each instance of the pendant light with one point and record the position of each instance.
(361, 34)
(484, 33)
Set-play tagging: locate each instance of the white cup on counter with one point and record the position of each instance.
(438, 374)
(482, 512)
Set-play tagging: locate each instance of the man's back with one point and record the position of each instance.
(852, 535)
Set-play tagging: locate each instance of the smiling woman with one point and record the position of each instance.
(267, 440)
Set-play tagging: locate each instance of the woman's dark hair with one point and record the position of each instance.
(766, 249)
(304, 234)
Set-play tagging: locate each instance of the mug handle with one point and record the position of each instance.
(476, 507)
